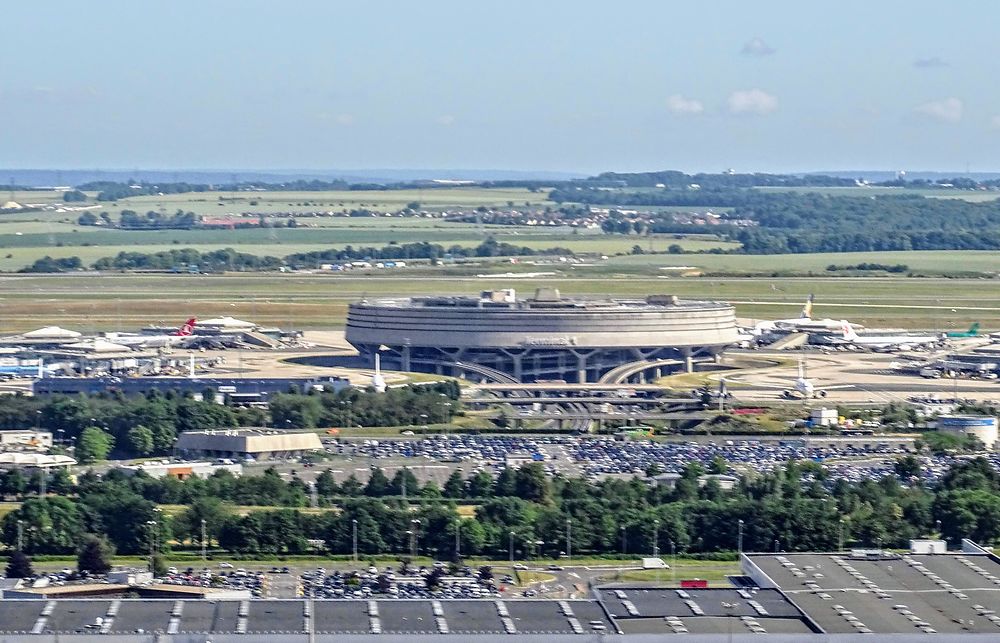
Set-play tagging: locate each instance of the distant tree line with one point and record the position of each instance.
(869, 267)
(676, 179)
(231, 260)
(788, 222)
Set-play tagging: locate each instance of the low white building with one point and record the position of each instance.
(25, 439)
(183, 470)
(20, 460)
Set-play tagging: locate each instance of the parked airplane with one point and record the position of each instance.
(972, 332)
(876, 342)
(803, 323)
(802, 388)
(138, 340)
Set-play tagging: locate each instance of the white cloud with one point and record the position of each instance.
(445, 119)
(995, 122)
(757, 47)
(752, 101)
(948, 110)
(930, 63)
(678, 104)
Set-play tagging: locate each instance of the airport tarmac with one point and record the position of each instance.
(850, 376)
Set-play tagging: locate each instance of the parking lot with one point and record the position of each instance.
(436, 457)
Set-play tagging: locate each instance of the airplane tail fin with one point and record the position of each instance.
(808, 308)
(187, 328)
(974, 329)
(849, 333)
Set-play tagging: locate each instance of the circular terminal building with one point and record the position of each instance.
(545, 337)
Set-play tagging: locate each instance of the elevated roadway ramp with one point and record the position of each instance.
(621, 374)
(486, 372)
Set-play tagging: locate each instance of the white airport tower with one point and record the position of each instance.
(378, 382)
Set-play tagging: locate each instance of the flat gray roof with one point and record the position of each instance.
(891, 595)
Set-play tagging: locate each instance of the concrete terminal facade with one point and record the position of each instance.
(547, 336)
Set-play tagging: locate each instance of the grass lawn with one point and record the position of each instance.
(527, 577)
(7, 507)
(124, 301)
(715, 572)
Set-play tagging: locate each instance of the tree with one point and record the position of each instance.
(351, 487)
(140, 440)
(88, 218)
(404, 483)
(718, 465)
(159, 565)
(93, 445)
(907, 467)
(19, 566)
(378, 484)
(454, 486)
(94, 555)
(13, 483)
(532, 483)
(326, 485)
(50, 525)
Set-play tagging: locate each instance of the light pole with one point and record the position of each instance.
(415, 525)
(622, 530)
(458, 539)
(656, 538)
(569, 539)
(739, 537)
(354, 539)
(204, 545)
(840, 536)
(151, 525)
(673, 562)
(776, 543)
(510, 547)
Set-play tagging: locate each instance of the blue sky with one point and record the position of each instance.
(553, 85)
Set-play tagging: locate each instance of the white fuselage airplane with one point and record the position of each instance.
(902, 342)
(803, 323)
(137, 340)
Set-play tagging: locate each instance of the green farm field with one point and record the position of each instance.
(935, 261)
(28, 236)
(122, 301)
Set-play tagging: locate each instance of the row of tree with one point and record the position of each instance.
(231, 260)
(793, 508)
(145, 425)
